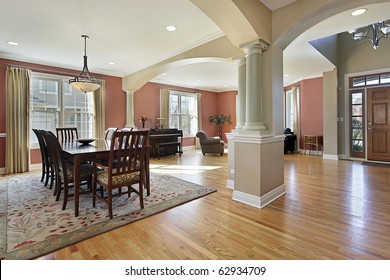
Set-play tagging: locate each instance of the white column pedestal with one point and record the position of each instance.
(258, 170)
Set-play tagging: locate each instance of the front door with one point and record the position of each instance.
(378, 120)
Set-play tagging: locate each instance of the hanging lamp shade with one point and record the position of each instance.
(85, 82)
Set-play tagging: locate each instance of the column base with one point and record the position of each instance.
(258, 169)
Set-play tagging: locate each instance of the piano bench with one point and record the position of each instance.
(170, 144)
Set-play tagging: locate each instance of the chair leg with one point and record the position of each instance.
(66, 193)
(141, 195)
(109, 201)
(43, 172)
(94, 193)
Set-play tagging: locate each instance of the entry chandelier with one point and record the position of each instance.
(85, 82)
(373, 32)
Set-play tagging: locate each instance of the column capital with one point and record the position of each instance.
(129, 91)
(257, 46)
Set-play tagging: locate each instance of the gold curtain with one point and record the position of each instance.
(164, 106)
(99, 110)
(200, 128)
(17, 157)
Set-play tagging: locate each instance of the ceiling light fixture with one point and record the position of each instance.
(359, 12)
(85, 82)
(12, 43)
(171, 28)
(373, 32)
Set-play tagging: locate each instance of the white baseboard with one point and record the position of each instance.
(2, 171)
(230, 184)
(36, 166)
(328, 156)
(256, 201)
(185, 148)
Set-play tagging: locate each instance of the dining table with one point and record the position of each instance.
(97, 150)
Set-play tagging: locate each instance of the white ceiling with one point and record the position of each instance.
(131, 34)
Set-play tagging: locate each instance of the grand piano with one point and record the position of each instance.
(165, 142)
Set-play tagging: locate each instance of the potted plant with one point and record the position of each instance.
(220, 120)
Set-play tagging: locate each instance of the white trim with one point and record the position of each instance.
(35, 166)
(230, 184)
(329, 156)
(2, 171)
(3, 134)
(257, 139)
(256, 201)
(186, 148)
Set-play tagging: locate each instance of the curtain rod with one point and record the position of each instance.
(183, 90)
(46, 70)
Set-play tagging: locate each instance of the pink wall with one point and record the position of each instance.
(227, 106)
(311, 107)
(115, 100)
(147, 103)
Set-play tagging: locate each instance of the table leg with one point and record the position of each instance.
(76, 178)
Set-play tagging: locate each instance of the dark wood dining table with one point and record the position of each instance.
(96, 151)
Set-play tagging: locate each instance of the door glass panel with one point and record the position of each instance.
(357, 122)
(357, 98)
(385, 78)
(357, 110)
(357, 146)
(357, 134)
(373, 80)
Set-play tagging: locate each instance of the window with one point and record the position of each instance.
(183, 112)
(54, 103)
(289, 110)
(357, 124)
(370, 80)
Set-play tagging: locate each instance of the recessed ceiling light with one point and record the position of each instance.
(164, 74)
(111, 63)
(171, 28)
(287, 75)
(12, 43)
(359, 12)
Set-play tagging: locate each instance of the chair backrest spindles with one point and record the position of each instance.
(67, 134)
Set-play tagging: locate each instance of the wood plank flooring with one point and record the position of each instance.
(332, 210)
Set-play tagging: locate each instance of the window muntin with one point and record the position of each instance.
(54, 103)
(183, 112)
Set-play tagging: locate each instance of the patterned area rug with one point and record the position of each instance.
(32, 223)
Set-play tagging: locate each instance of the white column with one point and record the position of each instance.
(130, 108)
(254, 85)
(241, 94)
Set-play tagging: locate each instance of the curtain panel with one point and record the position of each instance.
(200, 127)
(99, 110)
(17, 158)
(164, 106)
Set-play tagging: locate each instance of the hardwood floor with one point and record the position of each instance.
(332, 210)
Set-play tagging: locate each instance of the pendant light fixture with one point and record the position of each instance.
(85, 82)
(373, 32)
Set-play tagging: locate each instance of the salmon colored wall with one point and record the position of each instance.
(227, 106)
(115, 100)
(147, 103)
(311, 107)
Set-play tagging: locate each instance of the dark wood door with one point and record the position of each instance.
(378, 120)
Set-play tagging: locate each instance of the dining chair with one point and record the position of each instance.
(67, 134)
(109, 133)
(64, 170)
(47, 165)
(126, 167)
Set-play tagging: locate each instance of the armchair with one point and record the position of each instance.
(210, 144)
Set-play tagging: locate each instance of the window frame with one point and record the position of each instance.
(181, 94)
(60, 110)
